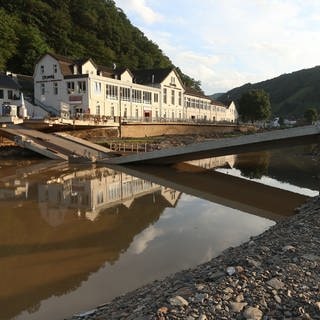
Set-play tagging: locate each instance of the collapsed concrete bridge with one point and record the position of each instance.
(224, 146)
(66, 147)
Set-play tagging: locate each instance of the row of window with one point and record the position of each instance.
(196, 103)
(80, 88)
(139, 96)
(54, 69)
(112, 92)
(173, 96)
(10, 95)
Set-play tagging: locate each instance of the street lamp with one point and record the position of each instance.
(120, 112)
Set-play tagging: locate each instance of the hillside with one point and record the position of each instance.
(290, 94)
(77, 29)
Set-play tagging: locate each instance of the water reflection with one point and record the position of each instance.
(89, 192)
(253, 169)
(295, 168)
(75, 237)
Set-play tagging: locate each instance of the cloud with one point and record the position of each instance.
(225, 44)
(139, 8)
(143, 239)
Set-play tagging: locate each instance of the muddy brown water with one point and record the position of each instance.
(74, 237)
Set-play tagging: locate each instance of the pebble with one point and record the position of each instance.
(253, 313)
(288, 248)
(178, 301)
(231, 271)
(275, 283)
(237, 306)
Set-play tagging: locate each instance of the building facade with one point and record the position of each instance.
(9, 96)
(81, 88)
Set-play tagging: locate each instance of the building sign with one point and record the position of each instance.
(75, 99)
(48, 77)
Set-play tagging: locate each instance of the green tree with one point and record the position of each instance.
(311, 115)
(254, 105)
(31, 45)
(77, 29)
(8, 38)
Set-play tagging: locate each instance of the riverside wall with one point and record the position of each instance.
(138, 130)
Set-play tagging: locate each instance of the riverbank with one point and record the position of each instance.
(275, 275)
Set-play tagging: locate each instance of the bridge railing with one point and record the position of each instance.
(132, 147)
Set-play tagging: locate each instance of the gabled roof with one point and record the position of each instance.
(113, 73)
(150, 76)
(218, 103)
(67, 66)
(193, 92)
(8, 82)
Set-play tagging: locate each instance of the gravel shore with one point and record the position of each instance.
(275, 275)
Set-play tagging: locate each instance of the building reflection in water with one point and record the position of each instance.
(90, 192)
(92, 213)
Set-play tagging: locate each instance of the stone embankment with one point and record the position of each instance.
(275, 275)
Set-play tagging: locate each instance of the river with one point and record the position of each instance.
(74, 237)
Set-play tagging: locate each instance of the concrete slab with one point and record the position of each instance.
(225, 146)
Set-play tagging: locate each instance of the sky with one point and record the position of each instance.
(227, 43)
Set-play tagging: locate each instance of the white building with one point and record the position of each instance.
(70, 88)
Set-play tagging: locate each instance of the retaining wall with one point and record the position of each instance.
(151, 130)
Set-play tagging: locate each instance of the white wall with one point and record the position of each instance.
(95, 100)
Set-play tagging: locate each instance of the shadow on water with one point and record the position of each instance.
(60, 224)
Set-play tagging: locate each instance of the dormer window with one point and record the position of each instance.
(75, 69)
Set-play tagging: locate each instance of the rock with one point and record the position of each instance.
(239, 269)
(311, 257)
(87, 313)
(263, 302)
(199, 297)
(163, 310)
(228, 290)
(252, 313)
(253, 263)
(216, 275)
(202, 317)
(277, 298)
(178, 301)
(200, 286)
(288, 248)
(317, 304)
(184, 292)
(231, 271)
(237, 306)
(239, 297)
(275, 283)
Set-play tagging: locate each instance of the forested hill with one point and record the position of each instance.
(290, 94)
(77, 29)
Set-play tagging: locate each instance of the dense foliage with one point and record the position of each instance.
(77, 29)
(290, 94)
(311, 115)
(254, 105)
